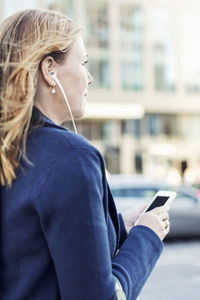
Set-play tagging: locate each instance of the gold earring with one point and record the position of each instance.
(53, 91)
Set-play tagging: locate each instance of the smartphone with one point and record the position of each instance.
(161, 198)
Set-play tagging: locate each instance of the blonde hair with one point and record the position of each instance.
(25, 39)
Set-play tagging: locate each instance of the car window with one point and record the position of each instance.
(134, 192)
(186, 198)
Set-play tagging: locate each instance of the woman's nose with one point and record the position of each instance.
(90, 78)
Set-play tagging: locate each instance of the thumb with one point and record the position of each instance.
(142, 207)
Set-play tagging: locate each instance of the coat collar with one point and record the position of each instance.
(38, 118)
(37, 115)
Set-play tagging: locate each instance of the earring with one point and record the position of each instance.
(53, 91)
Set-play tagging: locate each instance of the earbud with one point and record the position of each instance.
(53, 74)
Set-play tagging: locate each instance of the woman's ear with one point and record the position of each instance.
(48, 64)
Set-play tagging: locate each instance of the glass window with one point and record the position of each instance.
(163, 125)
(90, 129)
(97, 23)
(111, 132)
(107, 132)
(190, 49)
(131, 38)
(161, 30)
(132, 75)
(112, 159)
(138, 163)
(131, 28)
(100, 70)
(64, 6)
(128, 192)
(155, 125)
(132, 127)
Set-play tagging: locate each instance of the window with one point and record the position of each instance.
(131, 37)
(163, 48)
(190, 49)
(100, 70)
(132, 75)
(134, 192)
(155, 125)
(112, 159)
(131, 28)
(138, 163)
(97, 22)
(111, 133)
(163, 125)
(132, 127)
(64, 6)
(91, 130)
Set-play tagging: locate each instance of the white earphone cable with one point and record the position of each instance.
(52, 73)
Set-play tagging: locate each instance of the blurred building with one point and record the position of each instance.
(144, 105)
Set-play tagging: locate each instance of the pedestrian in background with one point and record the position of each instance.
(61, 236)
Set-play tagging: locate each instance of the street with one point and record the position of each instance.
(177, 274)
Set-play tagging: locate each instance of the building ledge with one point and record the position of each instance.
(117, 111)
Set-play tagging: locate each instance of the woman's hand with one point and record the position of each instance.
(158, 220)
(131, 215)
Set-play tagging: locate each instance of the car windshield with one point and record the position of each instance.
(134, 192)
(149, 192)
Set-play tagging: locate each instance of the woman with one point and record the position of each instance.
(61, 237)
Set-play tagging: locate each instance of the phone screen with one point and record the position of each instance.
(159, 201)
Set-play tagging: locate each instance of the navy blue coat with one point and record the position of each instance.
(61, 236)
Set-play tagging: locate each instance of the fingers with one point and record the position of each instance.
(161, 209)
(158, 220)
(167, 223)
(164, 216)
(165, 226)
(167, 229)
(161, 212)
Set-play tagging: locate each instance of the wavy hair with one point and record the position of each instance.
(25, 39)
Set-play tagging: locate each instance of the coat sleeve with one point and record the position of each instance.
(73, 222)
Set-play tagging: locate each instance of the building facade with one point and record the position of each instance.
(144, 105)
